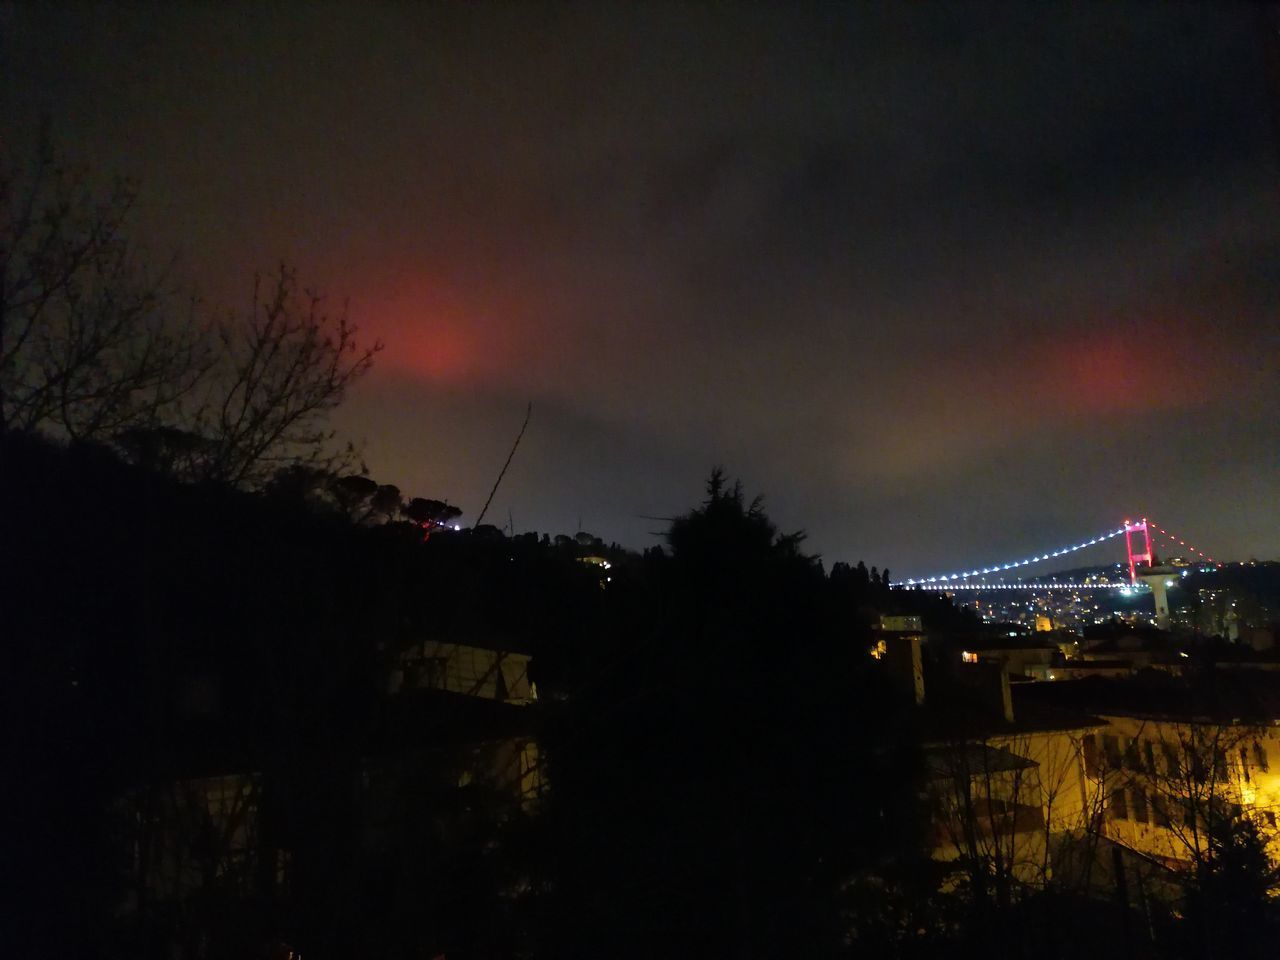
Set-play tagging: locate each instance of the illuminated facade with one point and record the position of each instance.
(1011, 799)
(1163, 781)
(485, 674)
(1179, 761)
(1004, 784)
(466, 670)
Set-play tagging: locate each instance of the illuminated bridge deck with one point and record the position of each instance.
(1139, 557)
(1024, 585)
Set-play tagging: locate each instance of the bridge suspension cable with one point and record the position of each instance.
(1012, 565)
(1183, 543)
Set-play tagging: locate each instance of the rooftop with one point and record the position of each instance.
(1228, 696)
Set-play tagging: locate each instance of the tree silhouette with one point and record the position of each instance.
(90, 344)
(95, 345)
(710, 778)
(284, 367)
(431, 513)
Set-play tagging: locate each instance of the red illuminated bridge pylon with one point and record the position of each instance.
(1144, 554)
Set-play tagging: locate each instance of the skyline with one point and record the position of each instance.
(945, 286)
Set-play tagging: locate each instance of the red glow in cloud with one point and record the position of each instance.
(1147, 367)
(1101, 373)
(432, 335)
(429, 348)
(1064, 379)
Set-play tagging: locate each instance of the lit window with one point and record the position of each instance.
(968, 657)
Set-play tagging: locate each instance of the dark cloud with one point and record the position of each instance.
(943, 281)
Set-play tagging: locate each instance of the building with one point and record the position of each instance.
(1083, 669)
(1006, 783)
(432, 678)
(453, 732)
(464, 669)
(1178, 759)
(1019, 655)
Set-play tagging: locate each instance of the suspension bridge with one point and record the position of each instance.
(1139, 554)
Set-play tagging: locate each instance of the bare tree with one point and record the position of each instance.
(990, 813)
(283, 369)
(195, 860)
(94, 346)
(89, 343)
(1185, 797)
(1019, 817)
(1182, 780)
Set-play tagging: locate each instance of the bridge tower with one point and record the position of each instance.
(1143, 555)
(1142, 566)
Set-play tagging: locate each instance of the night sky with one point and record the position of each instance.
(948, 285)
